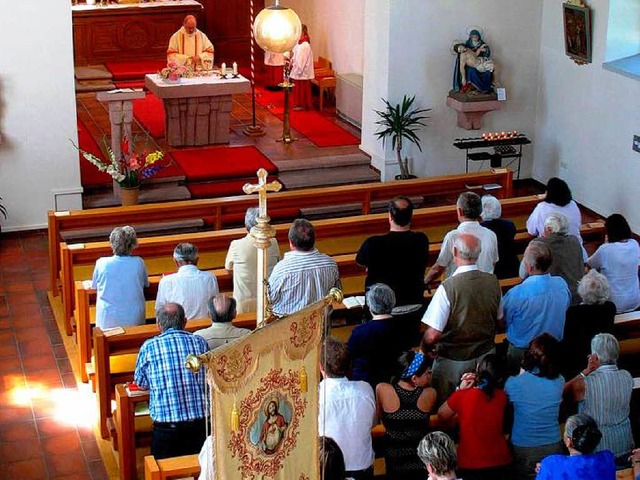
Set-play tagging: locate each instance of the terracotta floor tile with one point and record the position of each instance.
(97, 470)
(10, 365)
(63, 365)
(19, 450)
(91, 450)
(8, 350)
(66, 464)
(33, 469)
(75, 476)
(18, 431)
(17, 300)
(52, 427)
(31, 334)
(40, 362)
(5, 322)
(61, 445)
(15, 414)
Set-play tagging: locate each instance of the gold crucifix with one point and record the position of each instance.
(263, 232)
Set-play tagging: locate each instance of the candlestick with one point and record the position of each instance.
(235, 68)
(223, 68)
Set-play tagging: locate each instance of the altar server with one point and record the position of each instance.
(302, 71)
(189, 46)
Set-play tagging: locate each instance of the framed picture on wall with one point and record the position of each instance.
(577, 32)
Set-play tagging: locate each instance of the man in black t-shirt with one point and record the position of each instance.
(398, 258)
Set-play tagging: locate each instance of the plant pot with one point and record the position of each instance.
(129, 195)
(410, 177)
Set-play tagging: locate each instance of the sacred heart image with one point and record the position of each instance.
(269, 430)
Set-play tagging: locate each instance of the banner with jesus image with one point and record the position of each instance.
(264, 400)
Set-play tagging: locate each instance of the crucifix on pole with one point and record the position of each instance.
(263, 232)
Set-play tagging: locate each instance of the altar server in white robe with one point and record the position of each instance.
(302, 72)
(189, 46)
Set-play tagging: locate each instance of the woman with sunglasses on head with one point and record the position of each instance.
(404, 406)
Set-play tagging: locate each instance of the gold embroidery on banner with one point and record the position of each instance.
(232, 367)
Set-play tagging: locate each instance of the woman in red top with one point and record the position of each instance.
(483, 452)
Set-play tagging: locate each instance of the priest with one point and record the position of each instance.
(189, 46)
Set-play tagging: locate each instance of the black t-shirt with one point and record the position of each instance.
(398, 259)
(505, 230)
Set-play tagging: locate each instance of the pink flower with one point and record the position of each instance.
(173, 76)
(135, 162)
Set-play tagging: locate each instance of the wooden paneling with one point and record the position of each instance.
(228, 25)
(104, 34)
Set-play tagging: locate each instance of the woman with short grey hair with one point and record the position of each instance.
(438, 452)
(505, 231)
(603, 392)
(120, 281)
(594, 315)
(380, 299)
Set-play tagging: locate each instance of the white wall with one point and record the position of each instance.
(37, 112)
(587, 117)
(420, 40)
(336, 28)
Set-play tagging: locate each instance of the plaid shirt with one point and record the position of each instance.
(176, 394)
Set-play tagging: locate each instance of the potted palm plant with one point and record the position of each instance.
(400, 122)
(3, 212)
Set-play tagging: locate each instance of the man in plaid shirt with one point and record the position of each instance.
(176, 403)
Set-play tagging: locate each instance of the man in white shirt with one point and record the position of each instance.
(189, 46)
(242, 260)
(189, 286)
(347, 411)
(469, 210)
(222, 310)
(304, 275)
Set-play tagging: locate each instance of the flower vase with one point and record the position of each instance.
(129, 195)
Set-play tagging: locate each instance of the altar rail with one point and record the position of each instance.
(230, 210)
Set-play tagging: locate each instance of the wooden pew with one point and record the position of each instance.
(335, 237)
(168, 468)
(228, 211)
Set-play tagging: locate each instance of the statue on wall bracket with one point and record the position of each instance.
(577, 19)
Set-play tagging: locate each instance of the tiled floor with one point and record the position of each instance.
(45, 420)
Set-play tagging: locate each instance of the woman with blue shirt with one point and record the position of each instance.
(120, 281)
(581, 436)
(536, 395)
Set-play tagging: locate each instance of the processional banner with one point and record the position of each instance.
(264, 398)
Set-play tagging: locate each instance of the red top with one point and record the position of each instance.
(482, 442)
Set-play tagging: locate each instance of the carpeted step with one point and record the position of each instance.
(325, 177)
(323, 162)
(165, 192)
(85, 86)
(92, 72)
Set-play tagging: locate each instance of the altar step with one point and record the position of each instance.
(331, 161)
(93, 78)
(327, 177)
(149, 193)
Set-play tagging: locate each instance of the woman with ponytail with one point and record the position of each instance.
(404, 406)
(581, 436)
(480, 406)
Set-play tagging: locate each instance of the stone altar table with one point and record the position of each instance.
(197, 110)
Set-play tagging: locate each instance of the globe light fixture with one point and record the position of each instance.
(277, 29)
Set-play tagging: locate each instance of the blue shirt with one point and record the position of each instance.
(539, 304)
(600, 466)
(176, 394)
(119, 281)
(536, 403)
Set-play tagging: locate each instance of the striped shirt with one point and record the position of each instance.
(176, 394)
(189, 287)
(606, 400)
(301, 279)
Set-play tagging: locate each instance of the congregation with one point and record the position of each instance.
(414, 365)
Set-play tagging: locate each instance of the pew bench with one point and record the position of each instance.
(227, 211)
(335, 237)
(325, 79)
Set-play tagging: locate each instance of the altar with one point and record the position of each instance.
(137, 31)
(197, 110)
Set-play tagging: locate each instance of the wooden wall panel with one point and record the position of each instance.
(228, 25)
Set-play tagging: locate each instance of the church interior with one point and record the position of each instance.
(62, 414)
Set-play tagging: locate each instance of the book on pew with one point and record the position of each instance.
(110, 332)
(133, 390)
(354, 302)
(492, 186)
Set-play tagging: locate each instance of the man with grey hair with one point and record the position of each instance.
(176, 403)
(469, 210)
(304, 275)
(603, 392)
(189, 286)
(222, 310)
(438, 452)
(566, 251)
(538, 305)
(462, 317)
(242, 260)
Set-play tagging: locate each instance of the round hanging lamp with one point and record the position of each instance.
(277, 29)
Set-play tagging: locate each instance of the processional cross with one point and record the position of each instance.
(263, 232)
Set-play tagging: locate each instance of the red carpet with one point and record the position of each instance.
(90, 176)
(149, 111)
(319, 130)
(130, 84)
(219, 163)
(221, 189)
(135, 70)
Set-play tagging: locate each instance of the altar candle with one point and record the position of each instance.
(235, 68)
(223, 68)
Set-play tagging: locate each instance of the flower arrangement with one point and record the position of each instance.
(174, 72)
(132, 167)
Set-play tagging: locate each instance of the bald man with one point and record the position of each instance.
(462, 317)
(189, 46)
